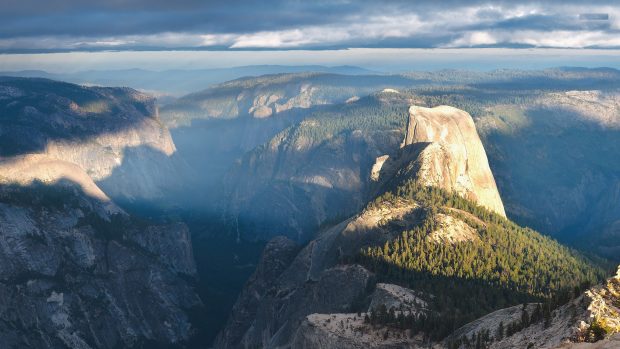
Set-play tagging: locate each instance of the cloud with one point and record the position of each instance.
(532, 38)
(65, 25)
(472, 39)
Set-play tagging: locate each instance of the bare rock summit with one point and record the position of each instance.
(447, 153)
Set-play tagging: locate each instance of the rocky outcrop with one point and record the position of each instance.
(569, 325)
(353, 331)
(442, 148)
(339, 331)
(491, 322)
(397, 297)
(376, 167)
(452, 230)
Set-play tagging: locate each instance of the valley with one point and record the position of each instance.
(285, 174)
(244, 202)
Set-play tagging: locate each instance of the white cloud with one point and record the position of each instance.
(460, 26)
(566, 39)
(477, 38)
(275, 39)
(555, 38)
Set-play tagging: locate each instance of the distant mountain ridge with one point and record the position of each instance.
(179, 82)
(269, 95)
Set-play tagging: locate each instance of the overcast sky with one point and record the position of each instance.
(65, 35)
(69, 25)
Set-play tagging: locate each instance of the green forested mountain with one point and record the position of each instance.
(503, 264)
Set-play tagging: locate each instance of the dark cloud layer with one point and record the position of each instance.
(238, 24)
(232, 16)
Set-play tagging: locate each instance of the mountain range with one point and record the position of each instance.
(395, 210)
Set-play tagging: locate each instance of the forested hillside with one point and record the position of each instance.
(499, 265)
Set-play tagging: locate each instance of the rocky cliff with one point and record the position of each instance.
(353, 330)
(79, 273)
(553, 157)
(442, 148)
(113, 134)
(26, 170)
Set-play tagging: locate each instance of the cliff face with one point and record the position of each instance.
(554, 161)
(309, 181)
(452, 157)
(277, 255)
(74, 275)
(76, 270)
(113, 134)
(24, 170)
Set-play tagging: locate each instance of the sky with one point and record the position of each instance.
(386, 60)
(34, 29)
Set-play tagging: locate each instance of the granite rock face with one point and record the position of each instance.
(24, 170)
(339, 331)
(452, 157)
(352, 331)
(113, 134)
(76, 271)
(72, 276)
(545, 156)
(307, 181)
